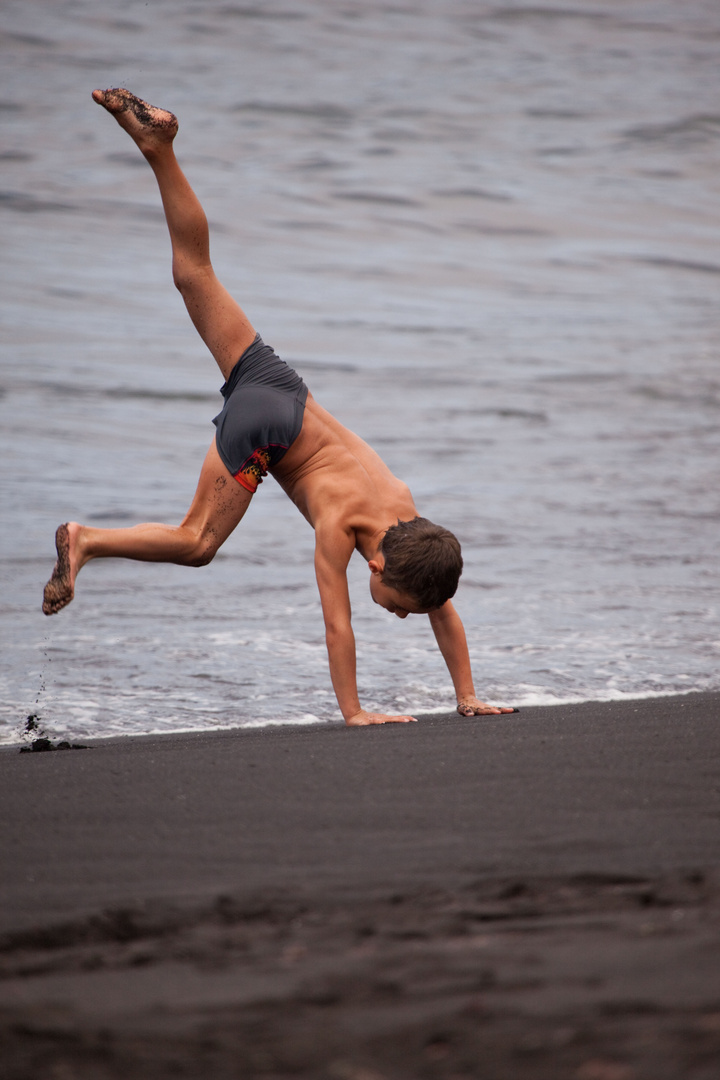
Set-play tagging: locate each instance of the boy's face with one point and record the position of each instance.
(395, 602)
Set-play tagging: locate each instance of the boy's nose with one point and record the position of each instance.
(401, 614)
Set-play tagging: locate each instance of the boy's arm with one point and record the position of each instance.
(450, 636)
(332, 555)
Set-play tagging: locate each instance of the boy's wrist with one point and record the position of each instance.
(350, 711)
(352, 718)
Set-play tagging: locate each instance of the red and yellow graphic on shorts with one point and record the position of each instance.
(252, 472)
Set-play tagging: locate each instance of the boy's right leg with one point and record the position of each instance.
(219, 504)
(218, 318)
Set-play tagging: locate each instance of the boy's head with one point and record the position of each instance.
(420, 561)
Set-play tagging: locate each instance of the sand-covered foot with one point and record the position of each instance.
(60, 589)
(151, 128)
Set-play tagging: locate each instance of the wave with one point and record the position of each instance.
(696, 128)
(28, 204)
(324, 111)
(678, 264)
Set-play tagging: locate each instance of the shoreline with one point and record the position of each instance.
(324, 725)
(527, 895)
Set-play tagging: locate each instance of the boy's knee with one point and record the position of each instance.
(201, 558)
(188, 275)
(203, 552)
(181, 280)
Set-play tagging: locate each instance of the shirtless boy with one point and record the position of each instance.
(271, 423)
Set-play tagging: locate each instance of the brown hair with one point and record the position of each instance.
(422, 560)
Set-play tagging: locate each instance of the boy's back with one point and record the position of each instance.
(340, 484)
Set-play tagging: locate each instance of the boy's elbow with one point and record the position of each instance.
(337, 631)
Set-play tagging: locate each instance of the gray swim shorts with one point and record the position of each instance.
(262, 415)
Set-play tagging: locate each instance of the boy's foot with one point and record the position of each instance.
(60, 589)
(151, 128)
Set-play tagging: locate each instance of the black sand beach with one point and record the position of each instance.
(528, 896)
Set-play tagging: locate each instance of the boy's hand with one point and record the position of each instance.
(470, 706)
(362, 718)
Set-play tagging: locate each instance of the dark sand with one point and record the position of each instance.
(528, 896)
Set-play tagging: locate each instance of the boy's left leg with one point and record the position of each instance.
(218, 318)
(219, 504)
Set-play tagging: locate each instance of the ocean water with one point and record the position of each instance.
(487, 236)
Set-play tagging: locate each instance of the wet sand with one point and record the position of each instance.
(529, 896)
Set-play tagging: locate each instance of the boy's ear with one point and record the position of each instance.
(376, 566)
